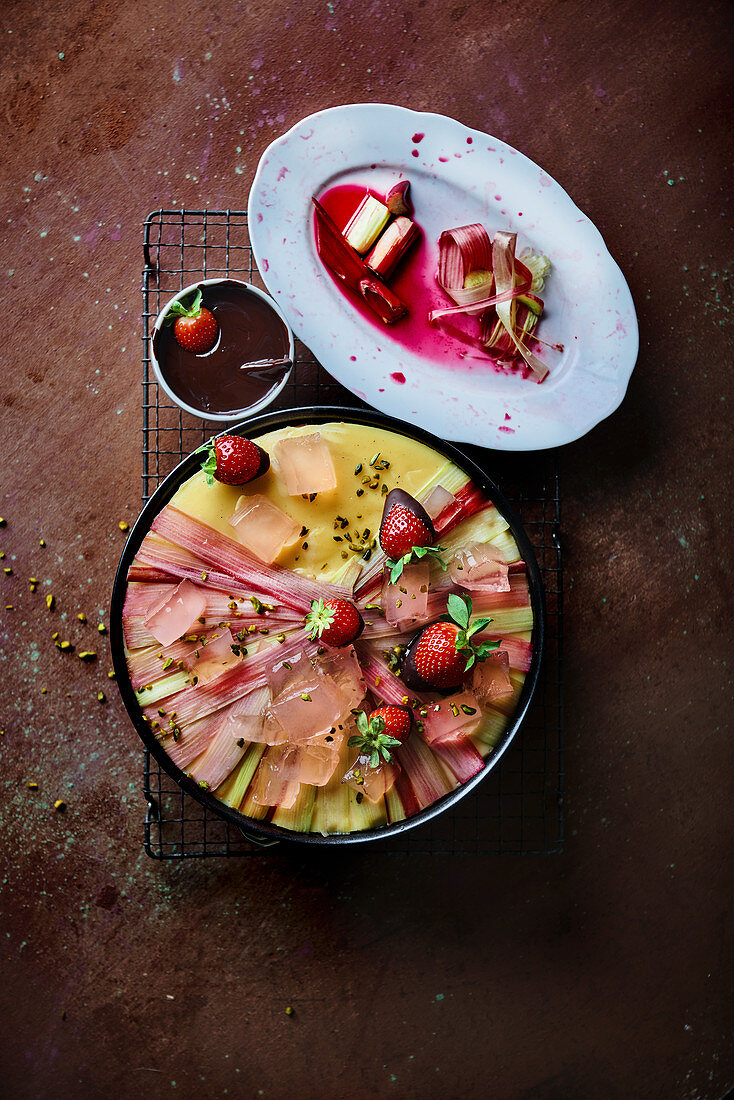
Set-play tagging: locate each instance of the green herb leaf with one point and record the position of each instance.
(459, 608)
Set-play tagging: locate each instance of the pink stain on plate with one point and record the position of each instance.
(266, 265)
(470, 141)
(504, 428)
(282, 173)
(415, 152)
(507, 416)
(353, 358)
(444, 160)
(418, 138)
(399, 377)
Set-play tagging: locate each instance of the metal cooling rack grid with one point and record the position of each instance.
(518, 808)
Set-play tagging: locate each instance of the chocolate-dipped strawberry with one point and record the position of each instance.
(234, 460)
(440, 655)
(406, 532)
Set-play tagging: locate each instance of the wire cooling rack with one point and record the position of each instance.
(518, 808)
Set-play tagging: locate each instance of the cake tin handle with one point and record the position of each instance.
(258, 840)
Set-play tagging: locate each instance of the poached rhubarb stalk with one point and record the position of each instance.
(421, 773)
(395, 242)
(349, 267)
(226, 749)
(235, 682)
(503, 259)
(217, 550)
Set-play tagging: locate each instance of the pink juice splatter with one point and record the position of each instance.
(414, 282)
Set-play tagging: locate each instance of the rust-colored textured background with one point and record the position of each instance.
(604, 972)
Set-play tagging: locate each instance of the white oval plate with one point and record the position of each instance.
(459, 176)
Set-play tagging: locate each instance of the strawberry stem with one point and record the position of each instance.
(459, 609)
(178, 309)
(319, 618)
(372, 739)
(396, 565)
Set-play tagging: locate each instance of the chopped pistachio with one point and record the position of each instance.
(306, 697)
(111, 674)
(101, 628)
(32, 786)
(59, 805)
(3, 522)
(50, 602)
(101, 697)
(87, 655)
(41, 542)
(289, 1010)
(7, 570)
(64, 645)
(82, 617)
(122, 525)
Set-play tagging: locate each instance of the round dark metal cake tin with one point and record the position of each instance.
(259, 425)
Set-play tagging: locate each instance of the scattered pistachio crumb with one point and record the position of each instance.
(101, 697)
(32, 786)
(101, 628)
(60, 805)
(289, 1010)
(41, 542)
(123, 526)
(50, 602)
(87, 655)
(3, 522)
(111, 674)
(82, 617)
(7, 570)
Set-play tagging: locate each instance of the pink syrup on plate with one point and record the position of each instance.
(415, 284)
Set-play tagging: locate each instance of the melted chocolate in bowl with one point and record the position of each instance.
(249, 330)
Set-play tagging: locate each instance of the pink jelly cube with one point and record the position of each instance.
(406, 601)
(480, 567)
(210, 656)
(176, 613)
(373, 783)
(305, 464)
(263, 527)
(456, 712)
(343, 668)
(307, 707)
(437, 500)
(491, 677)
(249, 727)
(274, 784)
(317, 761)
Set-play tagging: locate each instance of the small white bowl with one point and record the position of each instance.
(232, 414)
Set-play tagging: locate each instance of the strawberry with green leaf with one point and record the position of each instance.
(334, 621)
(195, 327)
(380, 731)
(441, 654)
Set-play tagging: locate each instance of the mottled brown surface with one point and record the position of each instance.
(604, 972)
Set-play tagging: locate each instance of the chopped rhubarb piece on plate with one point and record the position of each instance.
(480, 567)
(366, 223)
(263, 527)
(405, 602)
(176, 613)
(459, 712)
(305, 464)
(491, 677)
(373, 783)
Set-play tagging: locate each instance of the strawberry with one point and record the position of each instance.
(336, 622)
(406, 532)
(195, 327)
(441, 654)
(234, 460)
(383, 729)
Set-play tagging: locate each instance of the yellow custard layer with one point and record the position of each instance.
(413, 466)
